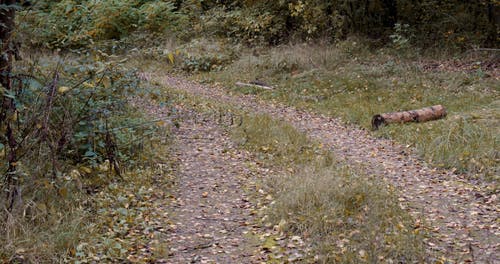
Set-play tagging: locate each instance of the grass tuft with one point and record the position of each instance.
(349, 217)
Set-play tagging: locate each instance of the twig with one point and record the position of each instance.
(50, 99)
(254, 85)
(312, 62)
(485, 49)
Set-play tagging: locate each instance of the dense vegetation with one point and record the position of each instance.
(450, 23)
(69, 134)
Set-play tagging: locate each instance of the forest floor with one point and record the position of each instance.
(213, 213)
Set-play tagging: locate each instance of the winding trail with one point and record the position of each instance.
(461, 217)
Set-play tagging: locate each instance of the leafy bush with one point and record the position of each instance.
(202, 55)
(250, 25)
(75, 132)
(96, 103)
(401, 36)
(156, 16)
(78, 118)
(69, 23)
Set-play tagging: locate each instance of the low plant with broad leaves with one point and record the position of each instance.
(76, 134)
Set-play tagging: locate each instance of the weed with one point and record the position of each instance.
(202, 55)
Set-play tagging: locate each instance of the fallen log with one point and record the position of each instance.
(254, 85)
(419, 115)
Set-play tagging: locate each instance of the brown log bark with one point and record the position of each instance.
(419, 115)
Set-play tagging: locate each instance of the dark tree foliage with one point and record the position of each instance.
(456, 22)
(427, 23)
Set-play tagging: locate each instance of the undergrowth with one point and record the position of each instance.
(123, 222)
(80, 146)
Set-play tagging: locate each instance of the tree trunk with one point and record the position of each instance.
(390, 18)
(419, 115)
(494, 20)
(8, 110)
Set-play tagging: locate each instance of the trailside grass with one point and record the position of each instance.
(348, 216)
(349, 81)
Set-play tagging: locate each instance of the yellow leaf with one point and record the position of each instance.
(106, 82)
(62, 89)
(88, 85)
(362, 254)
(86, 169)
(46, 184)
(104, 166)
(42, 207)
(171, 58)
(63, 192)
(281, 225)
(75, 174)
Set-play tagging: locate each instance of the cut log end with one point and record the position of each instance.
(377, 121)
(419, 115)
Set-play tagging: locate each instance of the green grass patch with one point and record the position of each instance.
(353, 83)
(350, 217)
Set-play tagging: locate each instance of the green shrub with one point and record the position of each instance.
(76, 133)
(77, 117)
(203, 55)
(156, 16)
(69, 23)
(450, 23)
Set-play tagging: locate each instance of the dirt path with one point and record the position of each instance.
(462, 216)
(213, 217)
(212, 213)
